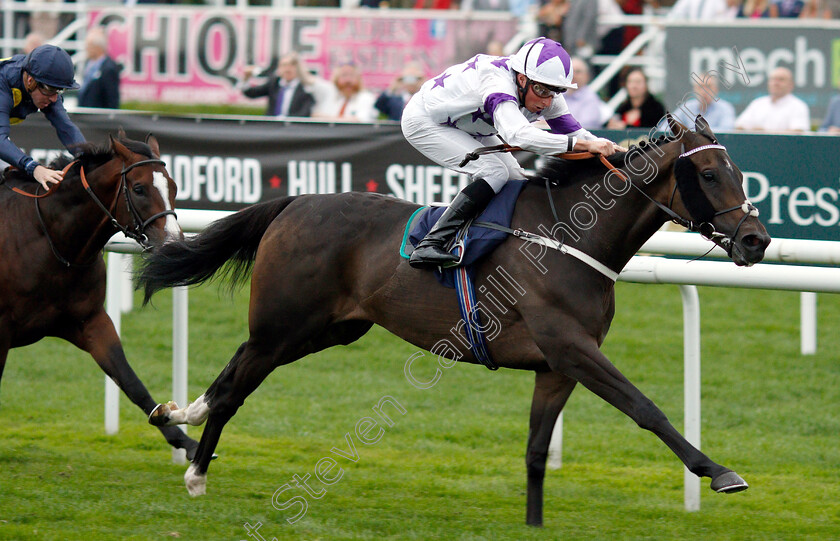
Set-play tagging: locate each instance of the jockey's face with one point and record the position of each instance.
(40, 97)
(533, 102)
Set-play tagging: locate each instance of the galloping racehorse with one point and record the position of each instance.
(338, 256)
(52, 273)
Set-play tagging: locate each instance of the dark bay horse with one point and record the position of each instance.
(52, 273)
(341, 273)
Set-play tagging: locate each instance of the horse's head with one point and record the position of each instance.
(709, 190)
(147, 193)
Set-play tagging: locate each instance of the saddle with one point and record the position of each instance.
(475, 240)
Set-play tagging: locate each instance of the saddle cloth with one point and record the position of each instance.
(479, 241)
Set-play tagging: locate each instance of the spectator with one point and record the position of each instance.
(640, 109)
(350, 101)
(101, 83)
(631, 7)
(584, 104)
(720, 114)
(754, 9)
(580, 28)
(550, 18)
(392, 101)
(831, 124)
(284, 88)
(31, 41)
(791, 8)
(780, 112)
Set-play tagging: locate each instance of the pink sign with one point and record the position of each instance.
(183, 55)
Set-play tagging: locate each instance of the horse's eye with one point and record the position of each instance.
(139, 189)
(708, 176)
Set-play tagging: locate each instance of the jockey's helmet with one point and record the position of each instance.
(545, 61)
(52, 66)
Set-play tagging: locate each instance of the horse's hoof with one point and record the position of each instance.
(729, 483)
(196, 482)
(162, 414)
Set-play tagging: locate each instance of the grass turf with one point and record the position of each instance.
(452, 466)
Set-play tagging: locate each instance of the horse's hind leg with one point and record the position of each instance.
(584, 362)
(251, 364)
(551, 390)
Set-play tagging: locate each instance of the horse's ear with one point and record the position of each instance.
(676, 128)
(121, 133)
(152, 141)
(120, 149)
(703, 128)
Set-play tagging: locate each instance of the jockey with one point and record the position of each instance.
(483, 102)
(29, 83)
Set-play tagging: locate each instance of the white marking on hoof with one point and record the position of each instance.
(196, 413)
(196, 483)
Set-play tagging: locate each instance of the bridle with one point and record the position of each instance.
(705, 228)
(136, 232)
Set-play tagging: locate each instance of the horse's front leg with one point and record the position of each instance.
(98, 337)
(551, 390)
(582, 360)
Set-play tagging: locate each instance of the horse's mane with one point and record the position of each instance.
(92, 156)
(561, 172)
(89, 156)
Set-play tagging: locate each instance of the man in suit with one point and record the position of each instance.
(284, 88)
(101, 83)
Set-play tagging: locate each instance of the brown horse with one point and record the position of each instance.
(52, 273)
(341, 273)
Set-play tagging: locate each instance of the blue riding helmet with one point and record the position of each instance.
(52, 66)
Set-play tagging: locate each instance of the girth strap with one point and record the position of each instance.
(554, 245)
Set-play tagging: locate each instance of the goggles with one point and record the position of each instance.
(50, 91)
(545, 91)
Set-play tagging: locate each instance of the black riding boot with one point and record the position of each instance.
(431, 251)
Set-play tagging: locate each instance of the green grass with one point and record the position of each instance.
(197, 109)
(452, 467)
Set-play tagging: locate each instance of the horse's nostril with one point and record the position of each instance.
(755, 241)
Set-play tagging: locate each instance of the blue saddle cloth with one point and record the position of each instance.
(479, 241)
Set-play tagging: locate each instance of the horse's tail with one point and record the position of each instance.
(230, 243)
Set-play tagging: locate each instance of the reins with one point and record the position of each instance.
(52, 189)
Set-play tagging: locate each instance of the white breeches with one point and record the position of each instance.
(447, 146)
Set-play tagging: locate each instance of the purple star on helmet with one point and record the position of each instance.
(471, 64)
(501, 62)
(552, 49)
(439, 81)
(449, 122)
